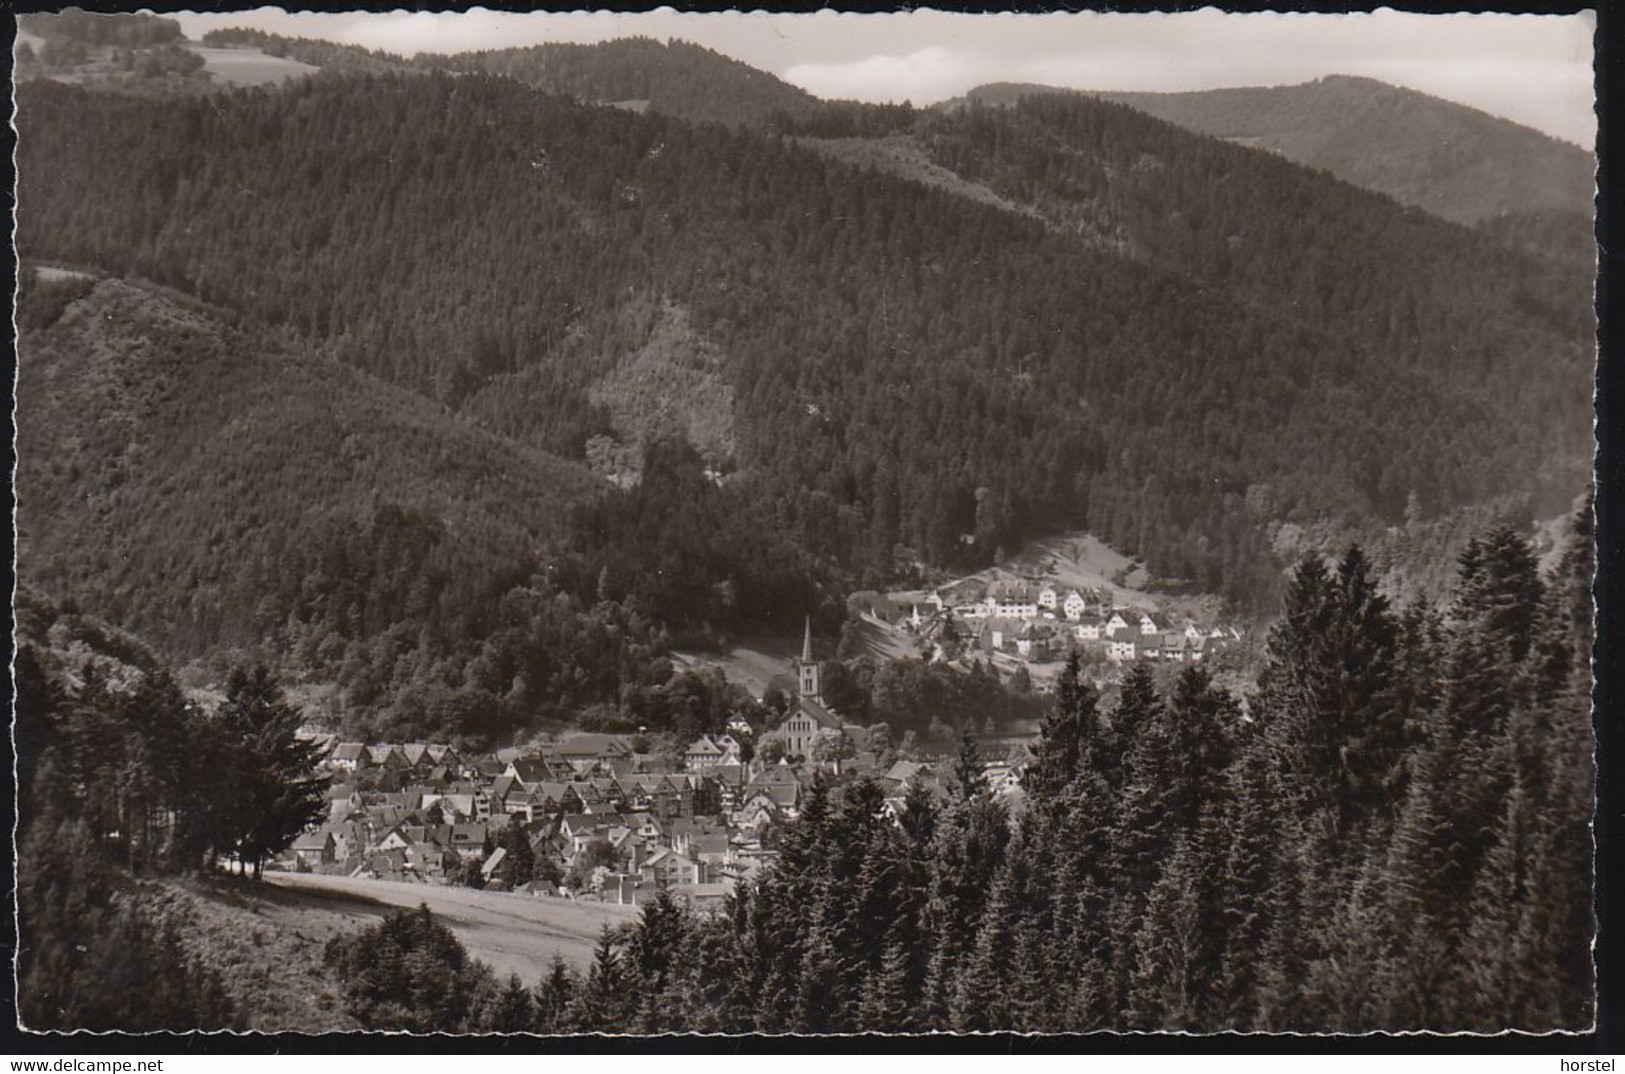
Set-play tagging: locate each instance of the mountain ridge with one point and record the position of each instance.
(1388, 138)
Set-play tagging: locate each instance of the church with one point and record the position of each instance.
(809, 714)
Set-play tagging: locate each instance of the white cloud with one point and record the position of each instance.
(924, 76)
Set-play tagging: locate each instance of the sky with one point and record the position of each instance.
(1535, 70)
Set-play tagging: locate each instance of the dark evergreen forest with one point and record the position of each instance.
(125, 779)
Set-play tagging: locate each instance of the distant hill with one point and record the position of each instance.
(675, 78)
(1456, 162)
(636, 73)
(190, 479)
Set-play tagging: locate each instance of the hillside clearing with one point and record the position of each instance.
(249, 66)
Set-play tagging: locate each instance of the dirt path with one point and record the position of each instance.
(511, 933)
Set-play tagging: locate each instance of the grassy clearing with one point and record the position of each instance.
(510, 933)
(249, 66)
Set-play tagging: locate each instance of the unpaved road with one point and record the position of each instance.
(510, 933)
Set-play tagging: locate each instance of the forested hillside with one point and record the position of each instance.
(1453, 161)
(228, 492)
(915, 375)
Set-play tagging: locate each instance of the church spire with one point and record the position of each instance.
(807, 668)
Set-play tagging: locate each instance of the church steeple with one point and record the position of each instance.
(806, 667)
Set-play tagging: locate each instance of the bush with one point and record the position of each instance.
(408, 972)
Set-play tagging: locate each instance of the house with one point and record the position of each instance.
(444, 755)
(465, 800)
(1124, 645)
(1049, 598)
(529, 770)
(1184, 649)
(667, 866)
(315, 849)
(432, 861)
(351, 757)
(779, 784)
(399, 837)
(702, 753)
(1088, 628)
(1015, 601)
(387, 865)
(999, 634)
(349, 839)
(1148, 625)
(1116, 624)
(388, 758)
(758, 814)
(417, 755)
(468, 839)
(1074, 605)
(580, 748)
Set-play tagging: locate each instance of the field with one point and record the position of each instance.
(510, 933)
(249, 66)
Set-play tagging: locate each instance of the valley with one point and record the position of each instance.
(600, 515)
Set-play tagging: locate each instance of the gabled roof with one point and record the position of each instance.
(703, 747)
(350, 751)
(816, 712)
(317, 840)
(415, 752)
(531, 769)
(577, 746)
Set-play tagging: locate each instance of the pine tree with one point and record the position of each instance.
(1059, 751)
(514, 1010)
(970, 780)
(600, 1005)
(887, 1002)
(278, 793)
(555, 996)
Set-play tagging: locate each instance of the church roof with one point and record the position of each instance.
(816, 711)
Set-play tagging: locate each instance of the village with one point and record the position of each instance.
(602, 816)
(593, 815)
(1038, 621)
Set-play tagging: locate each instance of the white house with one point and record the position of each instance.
(1048, 597)
(1074, 605)
(1116, 624)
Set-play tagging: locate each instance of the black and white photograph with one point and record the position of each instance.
(659, 524)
